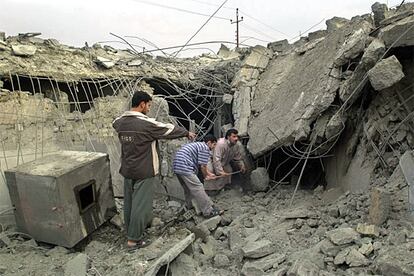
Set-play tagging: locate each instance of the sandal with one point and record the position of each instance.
(139, 244)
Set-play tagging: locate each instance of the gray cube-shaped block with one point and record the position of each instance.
(62, 198)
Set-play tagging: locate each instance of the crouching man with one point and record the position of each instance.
(186, 162)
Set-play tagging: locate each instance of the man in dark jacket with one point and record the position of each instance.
(138, 135)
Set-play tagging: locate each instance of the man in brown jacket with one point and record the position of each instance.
(138, 135)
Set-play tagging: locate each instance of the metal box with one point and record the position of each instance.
(62, 198)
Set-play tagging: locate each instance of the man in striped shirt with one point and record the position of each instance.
(186, 162)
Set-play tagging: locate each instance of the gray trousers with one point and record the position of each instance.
(193, 189)
(138, 197)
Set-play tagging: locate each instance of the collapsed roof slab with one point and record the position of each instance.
(297, 87)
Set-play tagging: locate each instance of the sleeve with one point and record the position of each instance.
(217, 156)
(159, 130)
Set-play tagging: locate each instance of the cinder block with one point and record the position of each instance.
(61, 198)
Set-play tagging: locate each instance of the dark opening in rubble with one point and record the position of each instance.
(285, 164)
(188, 104)
(85, 196)
(78, 96)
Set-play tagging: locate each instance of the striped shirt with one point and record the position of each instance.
(189, 157)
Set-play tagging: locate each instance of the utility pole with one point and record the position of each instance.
(237, 26)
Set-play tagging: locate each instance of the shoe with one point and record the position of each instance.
(139, 244)
(214, 212)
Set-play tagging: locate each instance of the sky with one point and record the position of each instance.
(161, 23)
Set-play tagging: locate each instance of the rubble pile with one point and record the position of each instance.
(337, 102)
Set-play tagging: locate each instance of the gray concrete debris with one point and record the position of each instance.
(380, 12)
(258, 267)
(342, 236)
(2, 36)
(352, 87)
(396, 260)
(303, 268)
(78, 266)
(135, 62)
(211, 223)
(24, 50)
(118, 221)
(336, 23)
(400, 33)
(380, 206)
(310, 94)
(340, 258)
(221, 261)
(355, 259)
(4, 240)
(258, 249)
(366, 249)
(183, 265)
(385, 73)
(368, 230)
(259, 179)
(227, 98)
(105, 62)
(328, 248)
(225, 53)
(279, 46)
(201, 232)
(353, 46)
(258, 58)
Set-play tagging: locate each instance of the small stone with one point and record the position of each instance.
(258, 249)
(333, 211)
(340, 258)
(3, 269)
(227, 98)
(342, 236)
(366, 249)
(368, 230)
(312, 222)
(377, 245)
(157, 222)
(328, 248)
(57, 250)
(259, 180)
(201, 232)
(105, 62)
(118, 221)
(78, 266)
(221, 260)
(298, 223)
(211, 223)
(303, 267)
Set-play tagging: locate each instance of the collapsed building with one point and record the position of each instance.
(331, 114)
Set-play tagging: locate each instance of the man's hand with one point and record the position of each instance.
(243, 170)
(191, 136)
(210, 177)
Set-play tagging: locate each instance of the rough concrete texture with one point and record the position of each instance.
(311, 81)
(399, 33)
(78, 266)
(259, 179)
(380, 206)
(386, 73)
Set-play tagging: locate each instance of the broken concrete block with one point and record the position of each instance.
(258, 58)
(221, 261)
(385, 73)
(227, 98)
(340, 258)
(201, 232)
(279, 46)
(78, 266)
(380, 207)
(211, 223)
(380, 12)
(366, 249)
(259, 179)
(41, 189)
(335, 23)
(399, 33)
(105, 62)
(135, 62)
(24, 50)
(328, 248)
(341, 236)
(235, 240)
(353, 46)
(226, 53)
(355, 259)
(263, 264)
(258, 249)
(368, 230)
(302, 268)
(241, 109)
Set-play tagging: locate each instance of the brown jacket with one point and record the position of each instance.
(138, 135)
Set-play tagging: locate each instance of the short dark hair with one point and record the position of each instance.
(230, 132)
(140, 96)
(210, 138)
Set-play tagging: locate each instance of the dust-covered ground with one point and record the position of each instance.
(321, 233)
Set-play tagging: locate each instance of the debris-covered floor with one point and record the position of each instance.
(322, 233)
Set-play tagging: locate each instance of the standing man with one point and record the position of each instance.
(186, 162)
(226, 153)
(138, 135)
